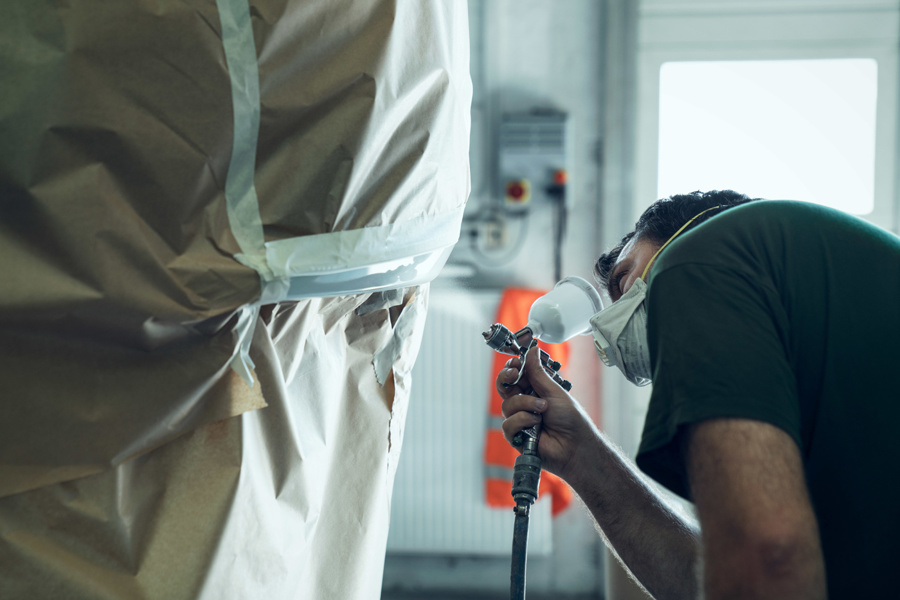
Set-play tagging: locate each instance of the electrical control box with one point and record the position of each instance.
(532, 158)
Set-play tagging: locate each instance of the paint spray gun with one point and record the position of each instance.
(557, 316)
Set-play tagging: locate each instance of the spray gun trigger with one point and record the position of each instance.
(522, 367)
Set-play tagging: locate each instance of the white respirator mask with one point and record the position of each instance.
(620, 335)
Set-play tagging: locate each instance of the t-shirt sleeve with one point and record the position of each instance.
(718, 342)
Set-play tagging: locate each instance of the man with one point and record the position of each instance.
(771, 330)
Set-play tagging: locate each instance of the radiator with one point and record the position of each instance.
(438, 500)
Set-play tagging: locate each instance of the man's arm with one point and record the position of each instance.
(657, 544)
(760, 535)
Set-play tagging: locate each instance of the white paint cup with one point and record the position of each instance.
(565, 311)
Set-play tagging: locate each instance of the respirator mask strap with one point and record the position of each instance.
(675, 235)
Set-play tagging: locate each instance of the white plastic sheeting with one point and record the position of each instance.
(193, 191)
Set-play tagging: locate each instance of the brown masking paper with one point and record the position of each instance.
(174, 423)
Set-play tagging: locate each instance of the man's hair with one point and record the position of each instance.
(664, 217)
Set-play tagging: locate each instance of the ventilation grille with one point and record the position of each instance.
(526, 133)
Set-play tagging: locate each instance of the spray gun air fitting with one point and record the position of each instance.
(526, 477)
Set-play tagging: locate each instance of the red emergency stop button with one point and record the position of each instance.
(518, 191)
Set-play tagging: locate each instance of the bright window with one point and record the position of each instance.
(777, 129)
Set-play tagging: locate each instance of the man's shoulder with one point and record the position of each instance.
(766, 215)
(787, 212)
(767, 227)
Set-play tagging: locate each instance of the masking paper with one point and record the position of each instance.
(286, 502)
(174, 174)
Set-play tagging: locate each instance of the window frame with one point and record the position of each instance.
(730, 30)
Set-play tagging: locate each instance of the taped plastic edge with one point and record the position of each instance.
(363, 260)
(358, 248)
(240, 192)
(241, 362)
(383, 275)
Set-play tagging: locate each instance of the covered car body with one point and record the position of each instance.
(217, 225)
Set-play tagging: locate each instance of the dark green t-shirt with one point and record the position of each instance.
(789, 313)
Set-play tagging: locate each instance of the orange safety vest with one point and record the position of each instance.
(499, 456)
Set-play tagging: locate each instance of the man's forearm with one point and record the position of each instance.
(660, 546)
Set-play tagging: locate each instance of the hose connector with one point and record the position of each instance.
(526, 481)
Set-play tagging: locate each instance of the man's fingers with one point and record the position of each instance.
(515, 362)
(518, 422)
(522, 403)
(504, 379)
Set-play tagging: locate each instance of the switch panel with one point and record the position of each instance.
(532, 159)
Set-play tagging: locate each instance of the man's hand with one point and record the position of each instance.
(566, 427)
